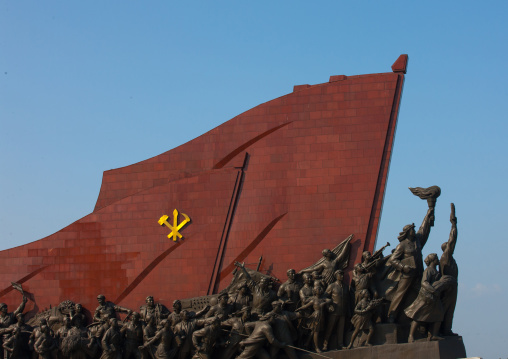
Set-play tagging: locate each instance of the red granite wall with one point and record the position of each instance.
(283, 180)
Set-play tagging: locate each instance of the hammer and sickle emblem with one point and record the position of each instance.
(175, 227)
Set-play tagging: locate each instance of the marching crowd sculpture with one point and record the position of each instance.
(315, 310)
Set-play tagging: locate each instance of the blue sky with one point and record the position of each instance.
(90, 86)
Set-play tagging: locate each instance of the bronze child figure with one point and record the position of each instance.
(362, 319)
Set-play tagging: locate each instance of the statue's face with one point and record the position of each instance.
(149, 301)
(308, 279)
(135, 318)
(101, 300)
(411, 234)
(263, 283)
(340, 276)
(367, 256)
(177, 306)
(291, 274)
(4, 309)
(223, 300)
(243, 290)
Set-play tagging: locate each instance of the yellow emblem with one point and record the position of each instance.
(175, 227)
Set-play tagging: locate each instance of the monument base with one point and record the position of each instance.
(450, 348)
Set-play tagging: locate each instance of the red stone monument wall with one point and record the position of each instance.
(283, 180)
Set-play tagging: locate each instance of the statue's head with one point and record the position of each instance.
(359, 268)
(78, 307)
(366, 256)
(431, 258)
(136, 317)
(217, 320)
(101, 298)
(177, 305)
(339, 275)
(317, 290)
(149, 301)
(408, 232)
(291, 273)
(264, 282)
(184, 315)
(20, 318)
(327, 253)
(243, 288)
(307, 278)
(3, 307)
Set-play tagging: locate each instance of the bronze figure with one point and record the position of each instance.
(448, 266)
(152, 309)
(261, 333)
(338, 291)
(107, 310)
(362, 319)
(407, 257)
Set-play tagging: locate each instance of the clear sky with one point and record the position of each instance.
(93, 85)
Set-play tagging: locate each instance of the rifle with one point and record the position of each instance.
(376, 257)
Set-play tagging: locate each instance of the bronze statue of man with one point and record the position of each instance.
(261, 332)
(112, 341)
(183, 333)
(222, 308)
(133, 337)
(164, 339)
(284, 330)
(205, 340)
(262, 294)
(107, 310)
(338, 291)
(407, 257)
(151, 308)
(237, 325)
(289, 291)
(6, 318)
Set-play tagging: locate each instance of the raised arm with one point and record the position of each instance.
(250, 282)
(427, 223)
(21, 307)
(452, 240)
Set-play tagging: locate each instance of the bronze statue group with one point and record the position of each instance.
(315, 310)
